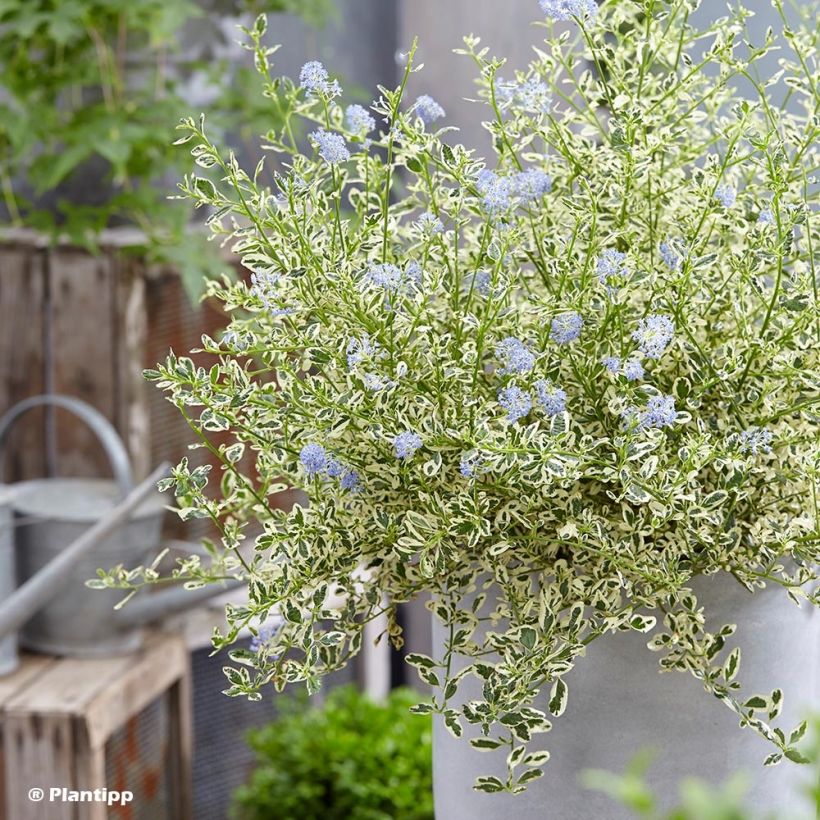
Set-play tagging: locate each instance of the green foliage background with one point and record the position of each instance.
(90, 94)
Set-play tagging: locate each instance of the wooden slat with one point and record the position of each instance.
(105, 692)
(162, 662)
(30, 667)
(22, 364)
(38, 752)
(130, 333)
(81, 354)
(181, 747)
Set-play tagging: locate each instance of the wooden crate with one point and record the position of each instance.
(77, 724)
(88, 325)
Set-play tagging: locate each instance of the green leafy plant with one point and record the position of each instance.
(549, 389)
(348, 759)
(90, 92)
(698, 800)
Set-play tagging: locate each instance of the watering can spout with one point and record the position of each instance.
(148, 608)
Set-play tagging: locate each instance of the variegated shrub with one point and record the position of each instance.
(579, 373)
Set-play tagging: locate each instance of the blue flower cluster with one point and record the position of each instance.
(428, 110)
(659, 412)
(515, 401)
(755, 440)
(533, 95)
(264, 285)
(726, 195)
(612, 266)
(384, 275)
(500, 193)
(766, 217)
(316, 461)
(553, 399)
(406, 444)
(568, 9)
(264, 636)
(359, 120)
(631, 369)
(332, 147)
(315, 80)
(672, 253)
(429, 223)
(566, 328)
(470, 463)
(532, 184)
(515, 356)
(358, 350)
(654, 334)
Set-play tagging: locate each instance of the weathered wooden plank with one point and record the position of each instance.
(30, 667)
(23, 298)
(182, 747)
(81, 352)
(132, 416)
(38, 753)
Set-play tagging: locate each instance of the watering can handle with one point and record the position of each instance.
(102, 428)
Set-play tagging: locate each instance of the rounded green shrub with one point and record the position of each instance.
(350, 759)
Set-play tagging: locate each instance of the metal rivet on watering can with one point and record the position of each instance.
(52, 513)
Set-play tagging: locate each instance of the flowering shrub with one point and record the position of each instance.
(549, 388)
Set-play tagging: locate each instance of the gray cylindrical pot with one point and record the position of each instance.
(619, 704)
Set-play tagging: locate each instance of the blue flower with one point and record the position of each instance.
(672, 251)
(349, 478)
(359, 120)
(611, 265)
(479, 282)
(755, 440)
(633, 370)
(612, 364)
(766, 217)
(264, 637)
(495, 190)
(385, 276)
(654, 334)
(430, 223)
(314, 459)
(659, 412)
(428, 110)
(469, 464)
(534, 95)
(566, 328)
(350, 481)
(360, 349)
(552, 399)
(532, 184)
(314, 79)
(726, 195)
(413, 274)
(405, 444)
(374, 382)
(567, 9)
(332, 147)
(514, 355)
(515, 401)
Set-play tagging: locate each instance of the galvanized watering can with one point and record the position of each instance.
(51, 513)
(64, 529)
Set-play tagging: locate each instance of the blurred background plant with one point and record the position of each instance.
(351, 759)
(699, 800)
(90, 94)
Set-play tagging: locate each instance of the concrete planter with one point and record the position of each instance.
(619, 704)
